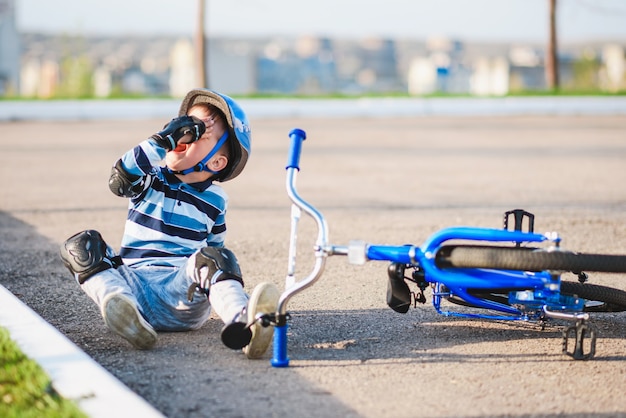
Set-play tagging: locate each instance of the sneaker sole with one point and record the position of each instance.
(264, 299)
(123, 318)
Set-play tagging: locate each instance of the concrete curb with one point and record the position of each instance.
(74, 374)
(303, 108)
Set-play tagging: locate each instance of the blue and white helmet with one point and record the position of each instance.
(238, 127)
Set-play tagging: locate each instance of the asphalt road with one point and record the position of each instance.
(383, 180)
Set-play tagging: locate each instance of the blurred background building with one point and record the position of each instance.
(9, 49)
(44, 65)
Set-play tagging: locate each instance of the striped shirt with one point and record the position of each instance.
(170, 220)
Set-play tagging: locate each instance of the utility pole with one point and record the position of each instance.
(201, 73)
(552, 61)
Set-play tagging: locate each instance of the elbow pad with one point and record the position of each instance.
(124, 184)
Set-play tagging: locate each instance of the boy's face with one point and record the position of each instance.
(185, 156)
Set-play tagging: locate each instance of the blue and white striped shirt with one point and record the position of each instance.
(170, 220)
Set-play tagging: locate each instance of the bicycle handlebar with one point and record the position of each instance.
(297, 137)
(280, 358)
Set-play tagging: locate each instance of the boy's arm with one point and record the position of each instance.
(131, 174)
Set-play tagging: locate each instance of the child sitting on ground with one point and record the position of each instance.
(172, 267)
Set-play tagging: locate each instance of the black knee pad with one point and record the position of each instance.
(84, 254)
(217, 260)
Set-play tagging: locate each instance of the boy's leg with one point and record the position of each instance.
(216, 271)
(97, 270)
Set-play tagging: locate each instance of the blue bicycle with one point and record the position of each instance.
(506, 274)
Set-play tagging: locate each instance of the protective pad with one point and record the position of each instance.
(124, 184)
(215, 264)
(84, 254)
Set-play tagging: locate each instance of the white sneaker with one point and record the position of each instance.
(123, 318)
(264, 300)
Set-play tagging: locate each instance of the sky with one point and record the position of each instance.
(475, 20)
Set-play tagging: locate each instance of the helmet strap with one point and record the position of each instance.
(201, 166)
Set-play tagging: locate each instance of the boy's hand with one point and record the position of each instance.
(183, 129)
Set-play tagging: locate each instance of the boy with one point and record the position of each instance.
(173, 266)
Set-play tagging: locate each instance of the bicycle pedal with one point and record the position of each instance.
(580, 332)
(518, 219)
(398, 292)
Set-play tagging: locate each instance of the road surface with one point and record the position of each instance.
(383, 180)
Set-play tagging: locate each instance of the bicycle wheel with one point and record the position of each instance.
(597, 298)
(527, 259)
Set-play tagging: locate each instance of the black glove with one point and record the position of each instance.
(178, 127)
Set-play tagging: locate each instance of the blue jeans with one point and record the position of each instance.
(161, 294)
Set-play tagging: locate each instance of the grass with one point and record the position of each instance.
(25, 389)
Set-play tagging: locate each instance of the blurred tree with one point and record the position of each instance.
(200, 46)
(586, 70)
(75, 70)
(552, 62)
(76, 78)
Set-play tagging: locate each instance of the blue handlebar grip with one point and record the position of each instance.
(297, 136)
(280, 358)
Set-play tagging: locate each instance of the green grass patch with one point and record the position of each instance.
(25, 389)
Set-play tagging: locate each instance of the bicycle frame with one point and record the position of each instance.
(445, 282)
